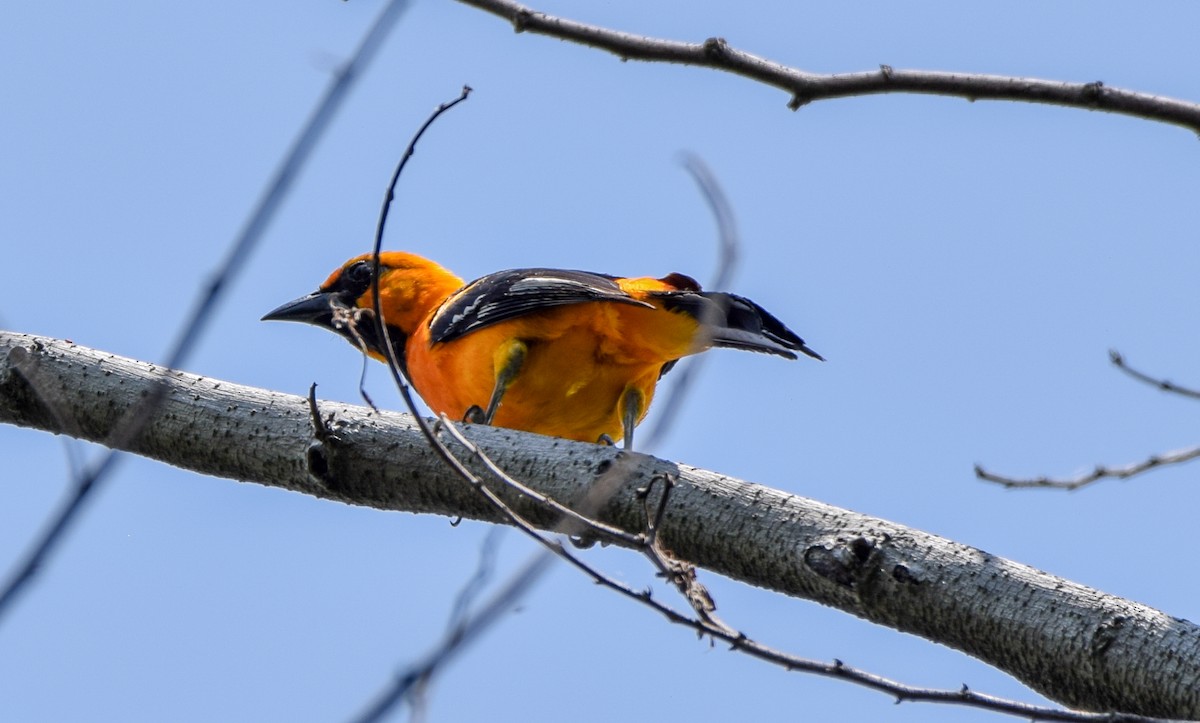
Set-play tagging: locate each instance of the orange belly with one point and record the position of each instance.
(580, 361)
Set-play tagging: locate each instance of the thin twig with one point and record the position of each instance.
(680, 574)
(93, 475)
(729, 242)
(390, 354)
(413, 685)
(479, 579)
(596, 527)
(1099, 473)
(467, 631)
(1163, 384)
(417, 679)
(395, 366)
(728, 251)
(806, 87)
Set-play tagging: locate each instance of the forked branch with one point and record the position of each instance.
(1101, 471)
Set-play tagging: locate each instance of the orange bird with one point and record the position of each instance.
(565, 353)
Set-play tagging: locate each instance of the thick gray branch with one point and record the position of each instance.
(1080, 646)
(806, 87)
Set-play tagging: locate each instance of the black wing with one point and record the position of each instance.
(509, 294)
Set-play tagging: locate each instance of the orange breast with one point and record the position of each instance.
(580, 360)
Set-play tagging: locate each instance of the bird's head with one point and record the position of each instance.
(410, 288)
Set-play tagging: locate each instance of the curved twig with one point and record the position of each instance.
(728, 251)
(806, 87)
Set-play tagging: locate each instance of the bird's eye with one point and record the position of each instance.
(358, 276)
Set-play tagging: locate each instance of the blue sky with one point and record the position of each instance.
(964, 267)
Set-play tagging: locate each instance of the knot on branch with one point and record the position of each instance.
(1093, 93)
(1106, 634)
(841, 563)
(26, 387)
(520, 19)
(853, 564)
(716, 49)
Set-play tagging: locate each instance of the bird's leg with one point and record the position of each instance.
(473, 415)
(507, 361)
(633, 406)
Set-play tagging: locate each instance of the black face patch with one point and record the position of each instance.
(353, 282)
(335, 307)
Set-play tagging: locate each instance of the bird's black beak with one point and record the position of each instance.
(316, 309)
(328, 309)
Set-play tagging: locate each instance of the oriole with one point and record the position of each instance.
(565, 353)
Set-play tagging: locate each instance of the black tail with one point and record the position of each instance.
(738, 323)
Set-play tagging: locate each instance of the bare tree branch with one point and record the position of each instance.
(1077, 645)
(1097, 474)
(806, 87)
(1163, 384)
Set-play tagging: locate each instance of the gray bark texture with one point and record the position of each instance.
(1080, 646)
